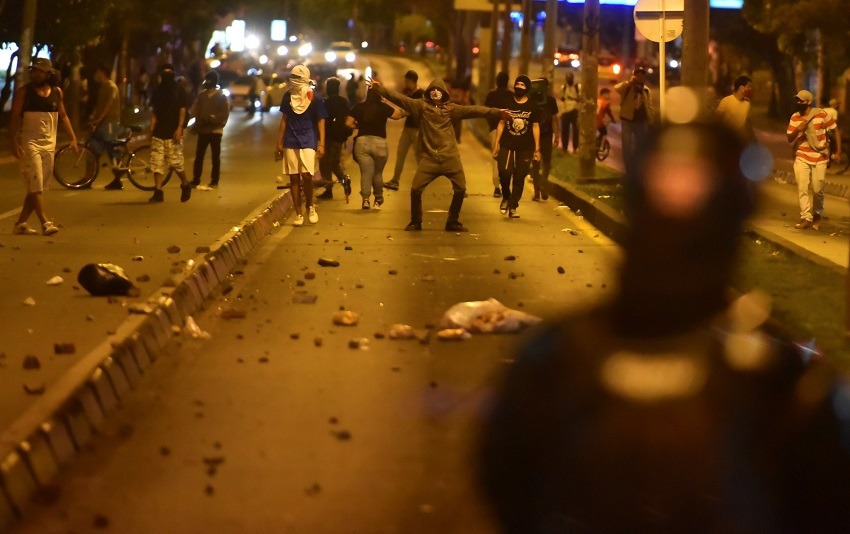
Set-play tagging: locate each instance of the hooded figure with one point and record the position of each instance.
(440, 155)
(671, 409)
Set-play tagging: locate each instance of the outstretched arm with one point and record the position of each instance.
(473, 112)
(404, 102)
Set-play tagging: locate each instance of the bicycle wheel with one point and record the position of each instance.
(139, 170)
(603, 150)
(75, 169)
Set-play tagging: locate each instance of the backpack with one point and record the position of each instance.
(812, 138)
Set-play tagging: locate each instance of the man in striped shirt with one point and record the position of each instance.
(807, 132)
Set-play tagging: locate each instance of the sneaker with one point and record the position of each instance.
(536, 197)
(816, 223)
(512, 214)
(497, 192)
(365, 204)
(298, 220)
(391, 185)
(312, 216)
(48, 228)
(346, 186)
(455, 226)
(503, 207)
(803, 224)
(195, 182)
(185, 192)
(114, 185)
(327, 195)
(379, 201)
(413, 227)
(158, 196)
(213, 185)
(24, 229)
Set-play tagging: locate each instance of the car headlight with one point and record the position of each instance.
(305, 50)
(575, 63)
(330, 57)
(226, 92)
(282, 51)
(350, 57)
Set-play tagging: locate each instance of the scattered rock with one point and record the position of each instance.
(66, 270)
(395, 369)
(31, 362)
(294, 335)
(578, 213)
(497, 271)
(361, 343)
(317, 342)
(313, 490)
(346, 318)
(561, 270)
(140, 308)
(55, 281)
(209, 490)
(29, 301)
(359, 286)
(300, 283)
(64, 348)
(349, 247)
(263, 360)
(89, 318)
(402, 331)
(588, 285)
(309, 275)
(392, 272)
(232, 313)
(783, 214)
(580, 251)
(428, 278)
(143, 278)
(379, 335)
(453, 334)
(202, 250)
(510, 258)
(326, 262)
(100, 521)
(34, 389)
(342, 435)
(173, 249)
(514, 276)
(137, 258)
(164, 451)
(302, 297)
(333, 420)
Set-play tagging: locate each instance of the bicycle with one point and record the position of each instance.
(78, 169)
(603, 147)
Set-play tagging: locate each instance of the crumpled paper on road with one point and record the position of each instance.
(487, 316)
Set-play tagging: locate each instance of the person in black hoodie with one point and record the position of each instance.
(337, 134)
(440, 156)
(672, 408)
(500, 97)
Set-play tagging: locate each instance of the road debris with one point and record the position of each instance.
(302, 297)
(173, 249)
(55, 281)
(513, 276)
(64, 348)
(232, 313)
(428, 278)
(327, 262)
(313, 490)
(34, 389)
(105, 279)
(392, 272)
(361, 343)
(346, 318)
(402, 331)
(137, 258)
(510, 258)
(342, 435)
(29, 301)
(453, 334)
(192, 330)
(31, 363)
(141, 308)
(483, 317)
(349, 247)
(317, 342)
(202, 250)
(309, 275)
(561, 270)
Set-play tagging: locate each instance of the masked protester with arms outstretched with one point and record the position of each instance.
(440, 156)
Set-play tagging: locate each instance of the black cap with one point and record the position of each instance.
(524, 79)
(411, 75)
(166, 66)
(640, 70)
(211, 76)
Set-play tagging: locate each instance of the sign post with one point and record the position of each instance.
(660, 21)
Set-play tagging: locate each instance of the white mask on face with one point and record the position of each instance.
(436, 95)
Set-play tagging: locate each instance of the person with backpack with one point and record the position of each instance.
(807, 133)
(301, 139)
(211, 111)
(337, 134)
(37, 110)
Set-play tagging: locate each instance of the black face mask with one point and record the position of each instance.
(520, 91)
(802, 108)
(167, 77)
(209, 85)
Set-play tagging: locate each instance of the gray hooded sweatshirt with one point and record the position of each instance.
(435, 119)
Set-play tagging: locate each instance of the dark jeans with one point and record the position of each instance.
(429, 170)
(331, 163)
(213, 140)
(514, 166)
(635, 138)
(569, 120)
(540, 169)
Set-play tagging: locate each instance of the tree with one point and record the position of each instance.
(413, 29)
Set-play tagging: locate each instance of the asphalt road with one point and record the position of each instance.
(260, 430)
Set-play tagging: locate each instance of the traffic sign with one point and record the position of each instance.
(656, 17)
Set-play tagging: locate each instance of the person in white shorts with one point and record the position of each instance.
(301, 139)
(36, 111)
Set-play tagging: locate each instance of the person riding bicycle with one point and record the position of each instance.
(603, 109)
(105, 120)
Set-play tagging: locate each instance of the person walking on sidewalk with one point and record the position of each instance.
(337, 133)
(570, 97)
(410, 133)
(549, 137)
(167, 120)
(734, 110)
(211, 111)
(301, 139)
(636, 114)
(105, 120)
(499, 98)
(807, 132)
(440, 155)
(369, 118)
(518, 143)
(37, 109)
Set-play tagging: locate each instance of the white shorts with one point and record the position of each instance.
(36, 168)
(299, 161)
(165, 154)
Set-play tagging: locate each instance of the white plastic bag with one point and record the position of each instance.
(487, 316)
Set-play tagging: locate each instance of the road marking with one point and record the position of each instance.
(9, 213)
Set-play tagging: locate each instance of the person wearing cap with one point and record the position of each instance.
(807, 132)
(410, 133)
(37, 110)
(517, 144)
(301, 139)
(168, 116)
(499, 97)
(440, 156)
(211, 111)
(832, 109)
(106, 119)
(636, 114)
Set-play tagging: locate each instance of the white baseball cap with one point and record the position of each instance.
(804, 97)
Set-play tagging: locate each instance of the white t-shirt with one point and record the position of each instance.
(734, 112)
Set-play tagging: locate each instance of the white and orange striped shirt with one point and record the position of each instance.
(820, 123)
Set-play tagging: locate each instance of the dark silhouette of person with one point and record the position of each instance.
(672, 408)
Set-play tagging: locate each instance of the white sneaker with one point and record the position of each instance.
(298, 220)
(49, 228)
(313, 217)
(23, 229)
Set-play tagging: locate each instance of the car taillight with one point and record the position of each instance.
(616, 68)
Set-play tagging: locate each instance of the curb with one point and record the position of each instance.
(47, 437)
(829, 187)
